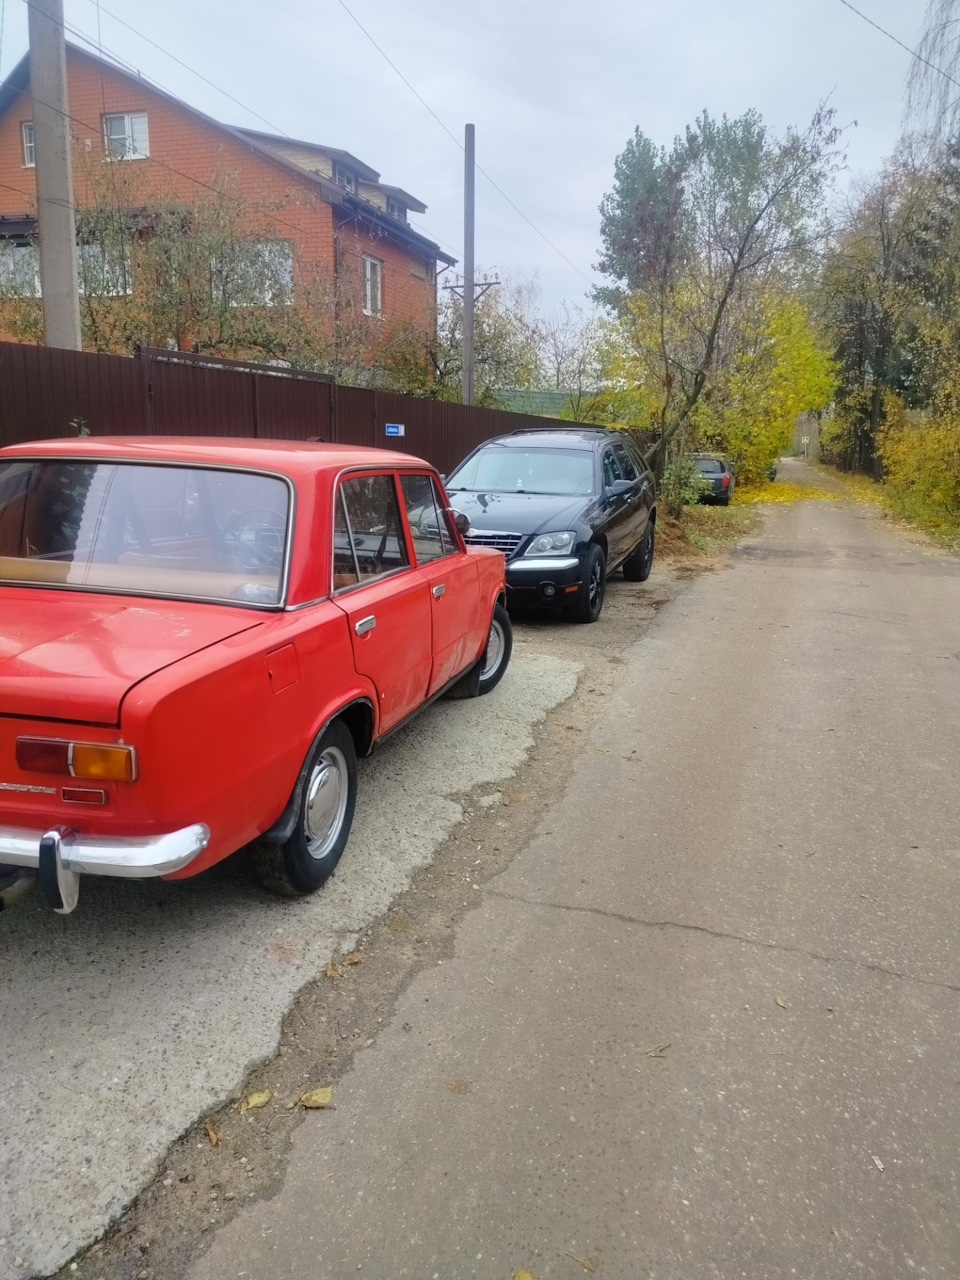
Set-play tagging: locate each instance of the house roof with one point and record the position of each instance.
(363, 171)
(18, 81)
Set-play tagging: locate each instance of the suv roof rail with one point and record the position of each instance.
(560, 426)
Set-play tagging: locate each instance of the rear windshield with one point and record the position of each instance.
(710, 466)
(148, 530)
(499, 469)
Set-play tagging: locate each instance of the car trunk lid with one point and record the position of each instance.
(73, 656)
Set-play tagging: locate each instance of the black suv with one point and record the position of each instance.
(566, 506)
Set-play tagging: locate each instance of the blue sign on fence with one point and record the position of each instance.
(395, 429)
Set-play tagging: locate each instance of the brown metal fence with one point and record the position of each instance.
(47, 393)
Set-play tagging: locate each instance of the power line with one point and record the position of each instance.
(543, 236)
(890, 36)
(129, 66)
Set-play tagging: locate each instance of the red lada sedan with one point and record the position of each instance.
(199, 637)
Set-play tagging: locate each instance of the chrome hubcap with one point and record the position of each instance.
(493, 654)
(327, 791)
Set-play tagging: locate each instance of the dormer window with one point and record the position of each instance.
(345, 178)
(396, 209)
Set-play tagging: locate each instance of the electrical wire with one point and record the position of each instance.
(543, 236)
(912, 52)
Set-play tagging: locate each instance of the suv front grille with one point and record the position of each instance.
(505, 542)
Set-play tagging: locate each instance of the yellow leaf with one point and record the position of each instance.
(354, 958)
(212, 1133)
(521, 1275)
(317, 1099)
(460, 1086)
(781, 1003)
(333, 971)
(254, 1101)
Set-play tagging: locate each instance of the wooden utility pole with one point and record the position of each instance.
(469, 295)
(56, 216)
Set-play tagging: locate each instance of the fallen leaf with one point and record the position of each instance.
(212, 1133)
(781, 1004)
(254, 1101)
(658, 1050)
(605, 751)
(398, 924)
(354, 958)
(588, 1264)
(521, 1275)
(333, 971)
(460, 1086)
(878, 1162)
(317, 1099)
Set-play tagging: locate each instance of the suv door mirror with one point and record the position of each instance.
(619, 487)
(461, 522)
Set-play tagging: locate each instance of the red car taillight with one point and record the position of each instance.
(726, 482)
(99, 760)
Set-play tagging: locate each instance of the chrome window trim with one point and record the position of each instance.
(278, 605)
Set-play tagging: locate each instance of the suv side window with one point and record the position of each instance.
(611, 468)
(368, 539)
(626, 462)
(428, 522)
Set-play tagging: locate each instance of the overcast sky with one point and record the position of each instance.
(555, 88)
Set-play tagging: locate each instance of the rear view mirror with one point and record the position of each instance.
(619, 487)
(461, 522)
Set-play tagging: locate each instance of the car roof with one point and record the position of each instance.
(554, 438)
(286, 456)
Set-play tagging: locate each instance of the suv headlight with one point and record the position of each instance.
(552, 544)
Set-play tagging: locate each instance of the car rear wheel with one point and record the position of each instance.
(724, 501)
(637, 567)
(496, 656)
(302, 863)
(588, 601)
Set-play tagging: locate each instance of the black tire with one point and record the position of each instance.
(588, 601)
(303, 862)
(724, 501)
(499, 647)
(636, 568)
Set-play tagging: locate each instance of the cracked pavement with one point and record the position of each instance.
(704, 1024)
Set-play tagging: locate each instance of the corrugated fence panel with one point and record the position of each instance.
(189, 400)
(292, 408)
(43, 390)
(355, 413)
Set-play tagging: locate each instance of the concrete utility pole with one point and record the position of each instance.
(469, 298)
(56, 217)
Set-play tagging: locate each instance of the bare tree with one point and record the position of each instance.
(933, 85)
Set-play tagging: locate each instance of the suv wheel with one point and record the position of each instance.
(588, 601)
(637, 567)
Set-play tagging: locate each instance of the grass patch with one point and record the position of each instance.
(782, 491)
(707, 528)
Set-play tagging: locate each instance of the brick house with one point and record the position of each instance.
(329, 210)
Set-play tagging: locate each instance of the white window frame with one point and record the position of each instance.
(344, 177)
(132, 151)
(273, 288)
(372, 286)
(20, 272)
(111, 272)
(28, 148)
(396, 209)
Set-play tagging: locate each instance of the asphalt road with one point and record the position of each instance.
(705, 1023)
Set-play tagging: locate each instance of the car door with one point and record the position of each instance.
(616, 507)
(635, 505)
(452, 576)
(386, 599)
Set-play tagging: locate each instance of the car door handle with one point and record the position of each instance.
(365, 625)
(438, 590)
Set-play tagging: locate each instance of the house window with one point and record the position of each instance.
(372, 285)
(396, 209)
(254, 273)
(125, 136)
(29, 148)
(19, 269)
(345, 178)
(104, 270)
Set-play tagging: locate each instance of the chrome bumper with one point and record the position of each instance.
(133, 856)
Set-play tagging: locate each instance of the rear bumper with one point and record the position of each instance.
(133, 857)
(542, 582)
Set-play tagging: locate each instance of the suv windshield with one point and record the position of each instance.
(709, 466)
(508, 469)
(144, 529)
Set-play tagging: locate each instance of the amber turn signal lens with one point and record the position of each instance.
(99, 760)
(91, 760)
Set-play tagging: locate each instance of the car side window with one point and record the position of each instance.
(368, 537)
(626, 462)
(428, 522)
(611, 468)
